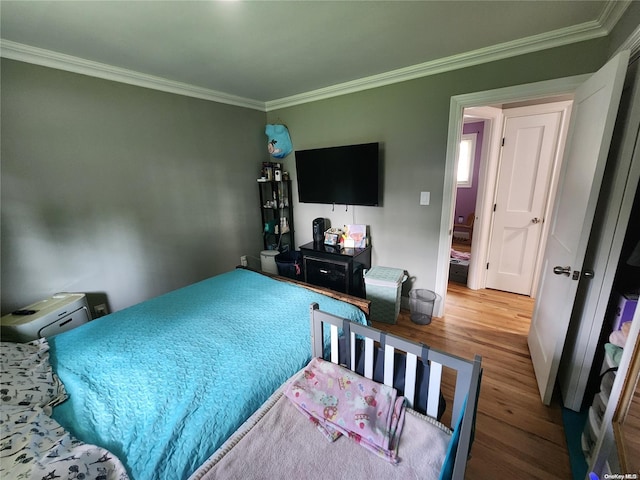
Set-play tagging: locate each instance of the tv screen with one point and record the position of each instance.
(347, 175)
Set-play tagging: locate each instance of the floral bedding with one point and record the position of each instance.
(32, 444)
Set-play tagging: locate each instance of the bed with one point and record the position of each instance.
(277, 441)
(151, 391)
(164, 383)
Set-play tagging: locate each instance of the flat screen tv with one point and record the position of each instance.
(346, 175)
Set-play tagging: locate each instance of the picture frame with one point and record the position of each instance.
(331, 238)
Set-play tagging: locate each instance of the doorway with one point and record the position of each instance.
(510, 192)
(521, 95)
(472, 157)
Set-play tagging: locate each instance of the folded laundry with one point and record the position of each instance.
(615, 352)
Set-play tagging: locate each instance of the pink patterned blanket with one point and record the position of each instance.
(341, 402)
(460, 255)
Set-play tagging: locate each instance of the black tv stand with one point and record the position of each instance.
(335, 268)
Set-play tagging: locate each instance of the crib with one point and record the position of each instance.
(278, 442)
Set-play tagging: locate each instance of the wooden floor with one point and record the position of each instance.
(516, 436)
(461, 245)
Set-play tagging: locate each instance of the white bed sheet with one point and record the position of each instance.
(279, 442)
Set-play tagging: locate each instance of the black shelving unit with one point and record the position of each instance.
(277, 215)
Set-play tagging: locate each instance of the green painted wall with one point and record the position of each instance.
(410, 119)
(112, 188)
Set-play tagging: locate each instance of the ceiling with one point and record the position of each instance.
(269, 53)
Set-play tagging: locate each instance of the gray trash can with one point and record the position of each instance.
(421, 305)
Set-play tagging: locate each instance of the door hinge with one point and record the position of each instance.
(487, 265)
(494, 206)
(503, 141)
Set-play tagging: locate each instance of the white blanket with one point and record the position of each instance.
(278, 442)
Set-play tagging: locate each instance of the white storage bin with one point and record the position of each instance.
(268, 261)
(606, 384)
(587, 443)
(599, 406)
(589, 435)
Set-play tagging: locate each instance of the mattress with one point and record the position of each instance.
(164, 383)
(279, 442)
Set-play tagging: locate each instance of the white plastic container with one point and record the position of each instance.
(590, 434)
(607, 384)
(268, 261)
(599, 406)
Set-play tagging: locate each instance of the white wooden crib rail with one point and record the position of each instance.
(467, 371)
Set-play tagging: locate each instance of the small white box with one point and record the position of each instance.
(46, 318)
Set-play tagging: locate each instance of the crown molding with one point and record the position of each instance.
(632, 43)
(610, 15)
(60, 61)
(612, 12)
(556, 38)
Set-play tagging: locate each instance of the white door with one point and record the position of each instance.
(594, 111)
(530, 147)
(613, 214)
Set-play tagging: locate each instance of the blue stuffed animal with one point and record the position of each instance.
(279, 141)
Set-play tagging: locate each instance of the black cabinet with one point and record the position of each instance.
(277, 214)
(332, 274)
(338, 269)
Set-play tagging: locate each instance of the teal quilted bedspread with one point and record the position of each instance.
(162, 384)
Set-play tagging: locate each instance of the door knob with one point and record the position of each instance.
(562, 270)
(535, 220)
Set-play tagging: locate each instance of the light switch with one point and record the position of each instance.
(425, 197)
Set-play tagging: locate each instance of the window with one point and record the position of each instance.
(466, 156)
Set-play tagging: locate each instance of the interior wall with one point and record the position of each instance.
(123, 190)
(626, 28)
(410, 119)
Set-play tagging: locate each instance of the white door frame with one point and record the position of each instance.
(549, 88)
(563, 107)
(492, 134)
